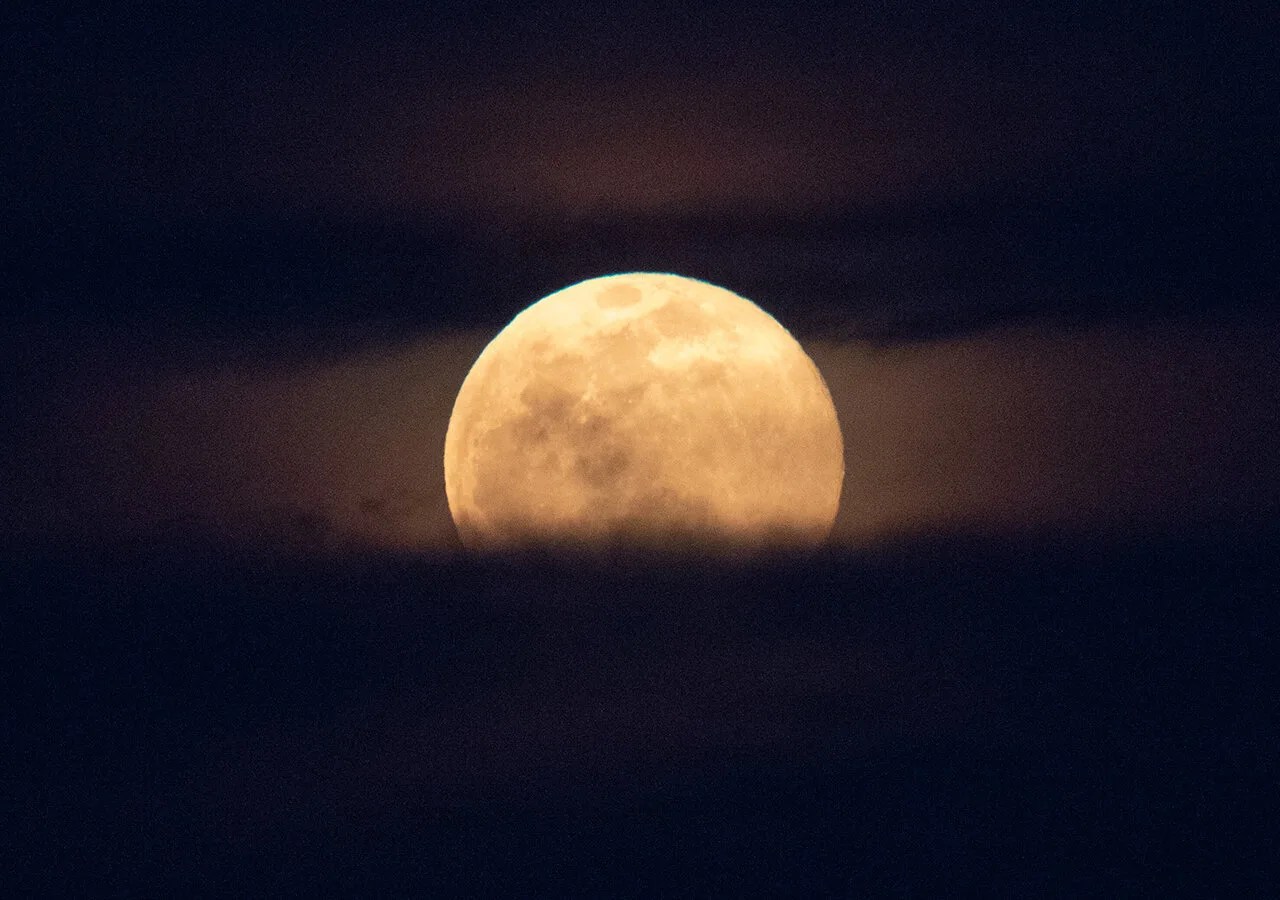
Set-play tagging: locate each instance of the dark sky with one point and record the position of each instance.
(583, 108)
(1081, 144)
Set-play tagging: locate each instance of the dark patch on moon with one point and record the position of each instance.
(617, 296)
(602, 457)
(680, 318)
(594, 426)
(674, 510)
(546, 400)
(601, 466)
(705, 373)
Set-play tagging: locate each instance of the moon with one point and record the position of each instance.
(643, 409)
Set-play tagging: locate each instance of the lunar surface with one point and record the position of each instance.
(644, 409)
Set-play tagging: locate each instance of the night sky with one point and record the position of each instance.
(251, 254)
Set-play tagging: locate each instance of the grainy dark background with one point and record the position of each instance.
(249, 255)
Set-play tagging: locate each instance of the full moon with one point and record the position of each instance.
(643, 409)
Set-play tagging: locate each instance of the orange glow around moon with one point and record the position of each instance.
(643, 408)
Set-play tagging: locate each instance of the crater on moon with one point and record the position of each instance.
(643, 407)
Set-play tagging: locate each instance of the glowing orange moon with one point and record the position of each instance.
(643, 408)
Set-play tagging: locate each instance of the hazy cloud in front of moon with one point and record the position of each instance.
(299, 456)
(1102, 429)
(1098, 428)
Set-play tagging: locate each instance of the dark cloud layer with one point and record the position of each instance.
(1012, 715)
